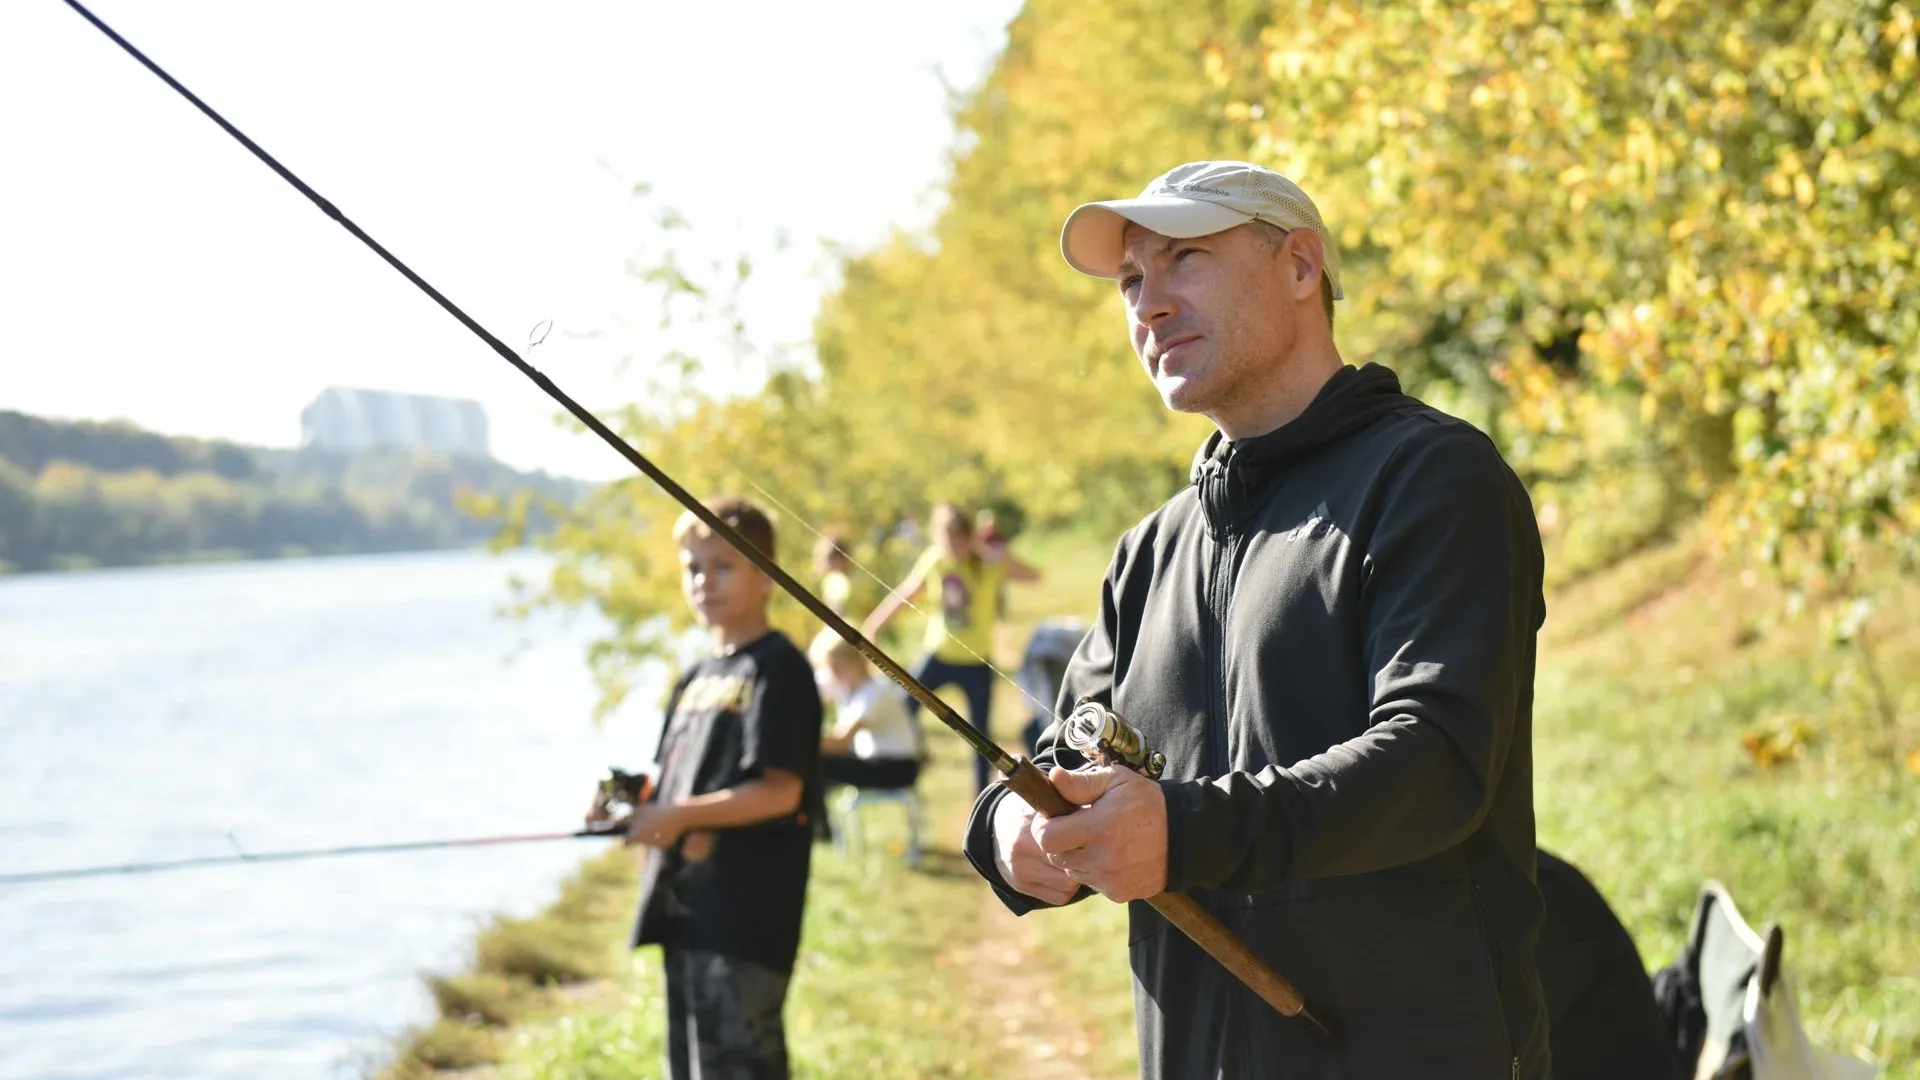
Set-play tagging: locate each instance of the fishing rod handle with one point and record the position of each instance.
(1027, 781)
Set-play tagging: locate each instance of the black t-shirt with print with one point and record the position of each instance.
(730, 719)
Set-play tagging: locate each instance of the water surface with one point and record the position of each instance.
(148, 714)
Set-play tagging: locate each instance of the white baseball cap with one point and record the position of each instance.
(1199, 198)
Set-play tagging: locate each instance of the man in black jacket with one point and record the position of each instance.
(1330, 634)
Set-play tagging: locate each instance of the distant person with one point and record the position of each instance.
(960, 626)
(993, 542)
(874, 742)
(909, 530)
(833, 564)
(994, 546)
(725, 888)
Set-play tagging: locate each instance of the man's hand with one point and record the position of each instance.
(1017, 854)
(1118, 844)
(655, 825)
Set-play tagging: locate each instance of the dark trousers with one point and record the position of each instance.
(885, 774)
(723, 1017)
(975, 681)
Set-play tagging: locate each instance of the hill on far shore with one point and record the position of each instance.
(82, 493)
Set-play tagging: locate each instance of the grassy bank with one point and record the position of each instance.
(1687, 729)
(1684, 731)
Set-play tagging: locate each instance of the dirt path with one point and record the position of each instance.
(1022, 999)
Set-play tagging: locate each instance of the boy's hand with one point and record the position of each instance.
(655, 825)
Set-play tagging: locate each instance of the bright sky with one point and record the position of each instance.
(151, 269)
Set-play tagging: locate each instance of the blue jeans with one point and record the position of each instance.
(975, 681)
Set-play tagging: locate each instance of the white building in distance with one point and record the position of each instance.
(347, 418)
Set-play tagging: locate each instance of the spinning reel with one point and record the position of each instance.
(1104, 737)
(615, 796)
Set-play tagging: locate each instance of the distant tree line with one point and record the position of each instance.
(93, 494)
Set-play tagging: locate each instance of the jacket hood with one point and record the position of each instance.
(1231, 473)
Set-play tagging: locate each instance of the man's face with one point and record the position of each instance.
(722, 587)
(1210, 317)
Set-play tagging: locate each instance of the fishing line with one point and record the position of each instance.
(293, 855)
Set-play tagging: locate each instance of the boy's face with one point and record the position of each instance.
(721, 586)
(849, 674)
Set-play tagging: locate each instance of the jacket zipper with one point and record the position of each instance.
(1219, 591)
(1219, 725)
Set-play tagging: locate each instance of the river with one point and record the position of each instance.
(171, 713)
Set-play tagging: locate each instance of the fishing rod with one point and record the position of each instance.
(1019, 773)
(72, 873)
(615, 796)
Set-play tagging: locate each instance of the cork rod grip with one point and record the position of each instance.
(1028, 782)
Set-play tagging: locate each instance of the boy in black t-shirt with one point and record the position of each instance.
(725, 887)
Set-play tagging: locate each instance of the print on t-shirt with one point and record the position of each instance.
(721, 693)
(693, 715)
(956, 601)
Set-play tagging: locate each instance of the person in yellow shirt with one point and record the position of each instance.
(833, 564)
(967, 593)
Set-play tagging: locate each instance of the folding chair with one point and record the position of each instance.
(1731, 1009)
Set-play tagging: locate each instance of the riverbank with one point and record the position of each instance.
(902, 972)
(1685, 730)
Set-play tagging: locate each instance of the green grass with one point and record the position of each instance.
(450, 1045)
(483, 998)
(543, 950)
(1653, 673)
(1654, 677)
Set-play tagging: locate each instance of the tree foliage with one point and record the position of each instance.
(1705, 208)
(1662, 252)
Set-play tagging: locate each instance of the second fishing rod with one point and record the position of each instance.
(1018, 773)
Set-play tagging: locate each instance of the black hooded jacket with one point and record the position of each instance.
(1330, 634)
